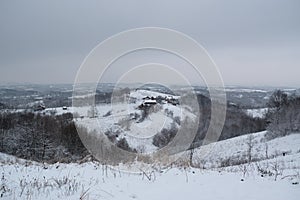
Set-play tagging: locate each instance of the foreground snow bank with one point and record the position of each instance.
(277, 159)
(23, 180)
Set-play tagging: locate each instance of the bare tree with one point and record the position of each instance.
(266, 151)
(277, 99)
(250, 144)
(277, 170)
(191, 156)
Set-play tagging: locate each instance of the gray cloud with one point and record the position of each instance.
(253, 42)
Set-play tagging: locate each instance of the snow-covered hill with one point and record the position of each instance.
(29, 180)
(235, 151)
(245, 167)
(138, 118)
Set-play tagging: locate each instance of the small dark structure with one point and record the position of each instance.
(146, 98)
(284, 154)
(147, 103)
(40, 107)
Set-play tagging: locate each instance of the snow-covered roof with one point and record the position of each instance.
(149, 101)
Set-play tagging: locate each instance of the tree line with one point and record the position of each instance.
(40, 137)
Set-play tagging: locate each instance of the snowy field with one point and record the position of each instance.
(285, 150)
(29, 180)
(91, 181)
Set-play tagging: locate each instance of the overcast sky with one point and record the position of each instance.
(254, 43)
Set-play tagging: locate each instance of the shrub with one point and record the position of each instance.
(107, 114)
(123, 144)
(165, 136)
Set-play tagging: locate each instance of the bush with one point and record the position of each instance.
(107, 114)
(123, 144)
(165, 136)
(177, 120)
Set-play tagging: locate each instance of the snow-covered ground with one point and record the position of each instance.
(29, 180)
(91, 181)
(284, 150)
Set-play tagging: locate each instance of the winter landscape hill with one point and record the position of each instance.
(43, 157)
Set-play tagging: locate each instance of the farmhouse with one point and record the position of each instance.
(150, 102)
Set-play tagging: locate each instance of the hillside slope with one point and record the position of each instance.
(22, 179)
